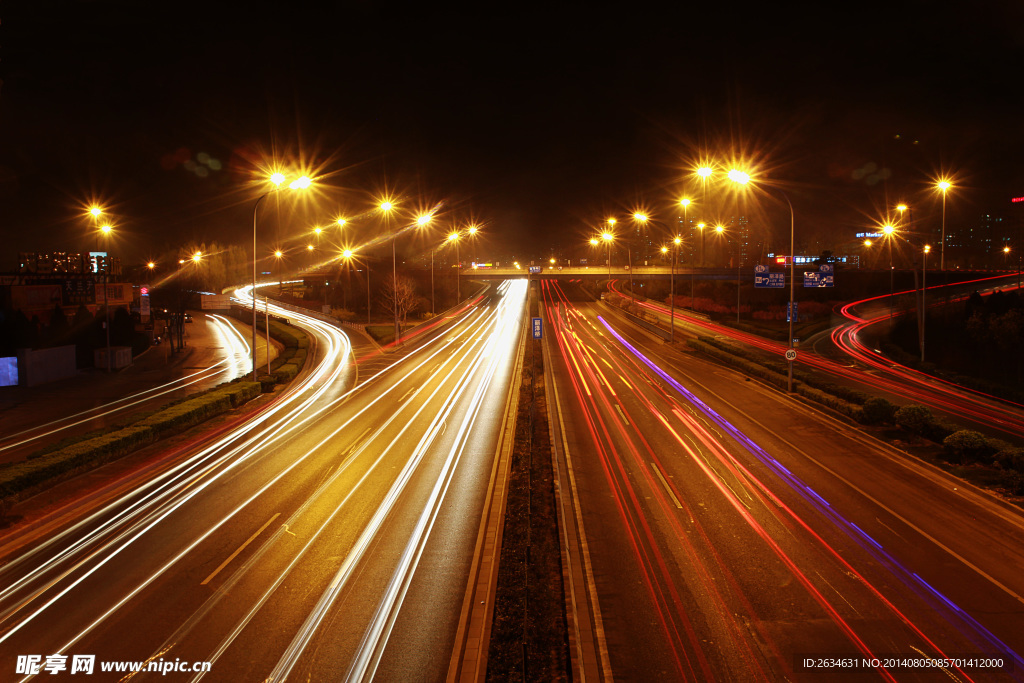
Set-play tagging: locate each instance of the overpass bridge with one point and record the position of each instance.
(595, 273)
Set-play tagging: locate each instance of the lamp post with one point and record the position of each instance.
(943, 186)
(924, 291)
(676, 241)
(277, 179)
(454, 237)
(740, 178)
(889, 231)
(105, 230)
(608, 238)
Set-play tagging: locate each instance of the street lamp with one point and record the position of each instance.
(105, 231)
(608, 236)
(424, 221)
(890, 232)
(454, 237)
(277, 179)
(943, 186)
(924, 291)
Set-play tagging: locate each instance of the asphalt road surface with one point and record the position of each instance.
(733, 533)
(328, 537)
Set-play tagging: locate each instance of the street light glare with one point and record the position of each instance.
(678, 240)
(278, 253)
(309, 247)
(611, 221)
(704, 172)
(943, 185)
(277, 178)
(106, 229)
(719, 229)
(888, 229)
(607, 237)
(341, 222)
(640, 217)
(593, 241)
(867, 243)
(738, 176)
(453, 237)
(318, 230)
(301, 183)
(901, 207)
(927, 248)
(702, 225)
(664, 250)
(386, 206)
(684, 202)
(424, 219)
(197, 256)
(95, 211)
(472, 229)
(151, 265)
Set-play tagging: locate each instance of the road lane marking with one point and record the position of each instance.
(664, 483)
(240, 549)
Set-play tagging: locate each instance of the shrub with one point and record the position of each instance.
(1011, 459)
(937, 430)
(966, 445)
(913, 418)
(877, 410)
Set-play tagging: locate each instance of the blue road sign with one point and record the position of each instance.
(537, 327)
(795, 311)
(819, 279)
(764, 278)
(534, 269)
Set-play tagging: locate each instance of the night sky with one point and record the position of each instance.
(538, 122)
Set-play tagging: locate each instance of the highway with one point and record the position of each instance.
(731, 532)
(326, 537)
(849, 355)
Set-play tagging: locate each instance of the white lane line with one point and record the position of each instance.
(664, 483)
(240, 549)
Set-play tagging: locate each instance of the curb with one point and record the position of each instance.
(469, 656)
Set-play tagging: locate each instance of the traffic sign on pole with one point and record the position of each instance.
(537, 327)
(790, 354)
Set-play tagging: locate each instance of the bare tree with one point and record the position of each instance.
(399, 296)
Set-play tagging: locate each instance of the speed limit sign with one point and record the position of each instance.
(791, 354)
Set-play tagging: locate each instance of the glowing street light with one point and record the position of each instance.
(738, 176)
(608, 238)
(943, 185)
(276, 179)
(889, 232)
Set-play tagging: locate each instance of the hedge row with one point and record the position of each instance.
(809, 378)
(19, 476)
(959, 446)
(777, 376)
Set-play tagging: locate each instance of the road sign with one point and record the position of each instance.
(537, 328)
(791, 307)
(790, 354)
(767, 279)
(819, 279)
(534, 270)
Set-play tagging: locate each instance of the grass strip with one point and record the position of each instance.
(529, 636)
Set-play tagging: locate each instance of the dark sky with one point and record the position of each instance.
(537, 121)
